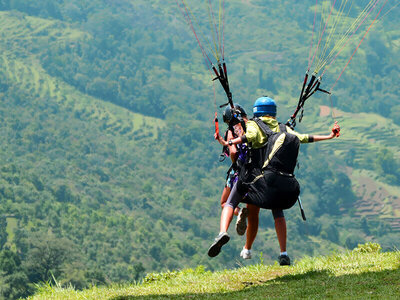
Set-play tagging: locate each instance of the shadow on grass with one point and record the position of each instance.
(310, 285)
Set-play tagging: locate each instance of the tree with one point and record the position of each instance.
(47, 256)
(353, 240)
(387, 165)
(3, 231)
(14, 282)
(330, 231)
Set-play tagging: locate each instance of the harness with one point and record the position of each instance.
(265, 128)
(267, 179)
(279, 153)
(242, 151)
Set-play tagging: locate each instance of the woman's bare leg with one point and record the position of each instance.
(226, 218)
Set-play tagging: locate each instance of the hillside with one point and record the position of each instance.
(108, 166)
(358, 274)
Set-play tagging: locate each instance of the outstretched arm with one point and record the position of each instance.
(317, 138)
(335, 133)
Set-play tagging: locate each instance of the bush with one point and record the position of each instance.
(368, 248)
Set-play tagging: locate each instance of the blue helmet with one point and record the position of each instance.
(264, 106)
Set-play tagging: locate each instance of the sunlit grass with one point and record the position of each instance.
(363, 272)
(12, 224)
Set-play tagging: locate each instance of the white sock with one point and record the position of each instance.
(284, 253)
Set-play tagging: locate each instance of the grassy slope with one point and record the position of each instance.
(358, 274)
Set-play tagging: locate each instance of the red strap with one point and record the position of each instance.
(216, 135)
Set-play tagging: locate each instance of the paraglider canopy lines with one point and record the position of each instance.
(185, 13)
(322, 33)
(337, 18)
(223, 26)
(213, 25)
(394, 6)
(213, 47)
(206, 57)
(358, 45)
(347, 36)
(220, 73)
(340, 24)
(312, 37)
(335, 26)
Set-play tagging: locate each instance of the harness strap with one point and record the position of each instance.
(264, 127)
(216, 126)
(232, 167)
(282, 127)
(273, 170)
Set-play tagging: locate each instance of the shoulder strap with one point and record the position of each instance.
(264, 127)
(282, 127)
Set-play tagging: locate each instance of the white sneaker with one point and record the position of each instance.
(241, 224)
(245, 254)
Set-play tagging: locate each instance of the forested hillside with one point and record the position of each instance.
(108, 166)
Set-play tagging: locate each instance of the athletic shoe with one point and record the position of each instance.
(284, 260)
(241, 224)
(245, 254)
(219, 241)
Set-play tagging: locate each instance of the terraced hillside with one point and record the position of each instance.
(362, 137)
(20, 64)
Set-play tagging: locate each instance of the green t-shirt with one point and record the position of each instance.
(257, 138)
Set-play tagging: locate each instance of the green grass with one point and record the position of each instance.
(362, 273)
(12, 224)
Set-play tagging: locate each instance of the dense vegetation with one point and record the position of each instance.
(108, 168)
